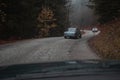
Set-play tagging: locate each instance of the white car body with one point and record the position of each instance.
(94, 29)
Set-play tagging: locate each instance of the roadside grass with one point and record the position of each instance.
(107, 43)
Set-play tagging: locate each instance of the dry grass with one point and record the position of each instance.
(107, 44)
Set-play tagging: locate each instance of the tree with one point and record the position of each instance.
(60, 11)
(107, 10)
(19, 18)
(46, 21)
(3, 16)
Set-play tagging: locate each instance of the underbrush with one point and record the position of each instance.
(107, 43)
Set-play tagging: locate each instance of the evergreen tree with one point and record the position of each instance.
(107, 10)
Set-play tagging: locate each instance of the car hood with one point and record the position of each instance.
(58, 67)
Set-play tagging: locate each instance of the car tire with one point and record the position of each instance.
(80, 36)
(76, 37)
(65, 37)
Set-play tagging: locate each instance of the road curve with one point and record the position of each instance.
(47, 50)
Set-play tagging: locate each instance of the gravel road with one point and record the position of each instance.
(47, 49)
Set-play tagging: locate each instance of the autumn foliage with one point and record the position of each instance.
(46, 21)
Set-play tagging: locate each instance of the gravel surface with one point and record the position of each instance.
(47, 50)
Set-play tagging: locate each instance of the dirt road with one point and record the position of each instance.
(47, 49)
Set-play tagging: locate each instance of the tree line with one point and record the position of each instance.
(33, 18)
(106, 10)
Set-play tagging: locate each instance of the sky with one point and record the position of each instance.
(80, 14)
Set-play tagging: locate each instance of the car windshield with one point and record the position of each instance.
(44, 34)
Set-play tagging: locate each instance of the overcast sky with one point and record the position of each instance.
(80, 14)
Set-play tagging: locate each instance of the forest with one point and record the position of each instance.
(22, 19)
(106, 10)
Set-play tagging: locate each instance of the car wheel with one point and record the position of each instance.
(65, 37)
(76, 37)
(80, 36)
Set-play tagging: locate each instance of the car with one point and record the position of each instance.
(94, 29)
(63, 70)
(72, 33)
